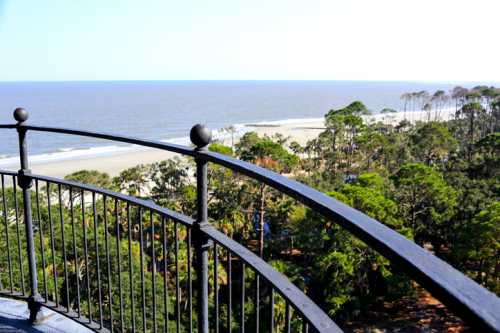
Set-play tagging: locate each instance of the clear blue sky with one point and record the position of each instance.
(427, 40)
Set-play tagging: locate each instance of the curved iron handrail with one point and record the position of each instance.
(475, 304)
(457, 291)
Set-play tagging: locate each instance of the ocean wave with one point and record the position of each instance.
(63, 150)
(62, 154)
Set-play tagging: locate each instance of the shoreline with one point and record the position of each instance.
(115, 162)
(114, 159)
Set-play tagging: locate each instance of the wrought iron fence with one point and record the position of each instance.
(118, 263)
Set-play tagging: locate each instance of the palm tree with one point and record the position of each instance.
(428, 109)
(406, 97)
(458, 94)
(489, 96)
(495, 114)
(439, 98)
(471, 111)
(231, 130)
(423, 97)
(413, 96)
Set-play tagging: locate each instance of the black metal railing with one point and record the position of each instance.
(118, 263)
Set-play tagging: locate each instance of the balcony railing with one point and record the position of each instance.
(118, 263)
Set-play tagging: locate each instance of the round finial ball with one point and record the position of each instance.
(200, 135)
(20, 115)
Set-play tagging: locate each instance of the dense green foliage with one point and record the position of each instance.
(435, 182)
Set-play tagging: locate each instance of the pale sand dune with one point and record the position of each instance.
(301, 131)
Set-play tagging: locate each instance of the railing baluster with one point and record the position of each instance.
(177, 282)
(63, 241)
(229, 292)
(153, 268)
(287, 318)
(53, 246)
(42, 240)
(305, 326)
(141, 248)
(216, 288)
(190, 280)
(18, 233)
(119, 263)
(271, 310)
(9, 260)
(75, 251)
(25, 182)
(108, 262)
(200, 137)
(131, 270)
(165, 271)
(86, 256)
(257, 302)
(96, 241)
(242, 313)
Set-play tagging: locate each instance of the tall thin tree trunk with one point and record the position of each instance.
(471, 135)
(261, 220)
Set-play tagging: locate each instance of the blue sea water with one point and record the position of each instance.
(167, 109)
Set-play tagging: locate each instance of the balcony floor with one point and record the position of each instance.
(14, 318)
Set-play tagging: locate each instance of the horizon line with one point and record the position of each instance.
(258, 80)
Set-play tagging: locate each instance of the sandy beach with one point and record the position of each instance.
(300, 130)
(116, 162)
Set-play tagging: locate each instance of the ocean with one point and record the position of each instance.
(166, 110)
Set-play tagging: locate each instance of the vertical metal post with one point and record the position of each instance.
(200, 137)
(25, 182)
